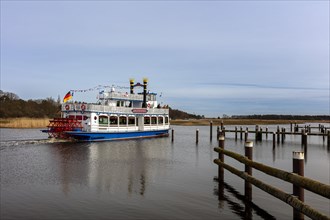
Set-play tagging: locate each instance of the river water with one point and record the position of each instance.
(145, 179)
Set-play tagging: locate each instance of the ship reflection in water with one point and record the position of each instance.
(122, 166)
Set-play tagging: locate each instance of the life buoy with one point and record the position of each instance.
(83, 107)
(67, 107)
(148, 105)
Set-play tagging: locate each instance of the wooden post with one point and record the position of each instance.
(291, 127)
(257, 131)
(197, 131)
(248, 170)
(266, 133)
(246, 134)
(328, 139)
(283, 130)
(258, 135)
(241, 133)
(273, 140)
(235, 133)
(218, 130)
(211, 123)
(221, 169)
(278, 134)
(298, 168)
(224, 131)
(304, 139)
(172, 134)
(221, 158)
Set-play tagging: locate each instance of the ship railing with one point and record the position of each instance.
(123, 96)
(108, 109)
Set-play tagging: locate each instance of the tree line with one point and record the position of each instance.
(282, 117)
(15, 108)
(11, 106)
(178, 114)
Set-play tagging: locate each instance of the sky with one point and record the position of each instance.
(205, 57)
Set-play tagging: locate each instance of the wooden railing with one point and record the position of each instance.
(296, 178)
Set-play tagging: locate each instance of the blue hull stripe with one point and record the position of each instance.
(103, 136)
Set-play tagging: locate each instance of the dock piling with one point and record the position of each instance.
(328, 139)
(248, 170)
(197, 134)
(298, 168)
(221, 158)
(211, 126)
(172, 134)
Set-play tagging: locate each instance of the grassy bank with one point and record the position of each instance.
(217, 122)
(24, 122)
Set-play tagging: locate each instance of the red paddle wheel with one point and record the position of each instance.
(58, 126)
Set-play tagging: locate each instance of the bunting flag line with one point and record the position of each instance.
(99, 87)
(67, 97)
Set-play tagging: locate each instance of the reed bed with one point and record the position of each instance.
(24, 122)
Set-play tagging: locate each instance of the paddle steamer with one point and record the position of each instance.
(116, 115)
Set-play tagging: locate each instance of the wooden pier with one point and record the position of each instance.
(295, 177)
(280, 133)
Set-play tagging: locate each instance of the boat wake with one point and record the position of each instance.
(32, 141)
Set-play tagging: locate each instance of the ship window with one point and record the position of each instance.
(154, 120)
(147, 120)
(78, 117)
(151, 97)
(122, 121)
(160, 120)
(166, 120)
(131, 121)
(103, 120)
(114, 121)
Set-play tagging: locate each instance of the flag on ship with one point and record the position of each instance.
(67, 97)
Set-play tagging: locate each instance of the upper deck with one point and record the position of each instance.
(124, 96)
(88, 107)
(121, 96)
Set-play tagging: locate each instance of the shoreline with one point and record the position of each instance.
(217, 122)
(43, 122)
